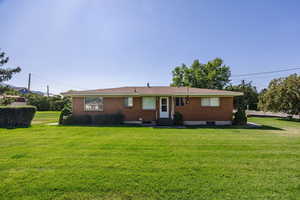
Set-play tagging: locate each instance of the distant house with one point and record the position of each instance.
(24, 90)
(21, 90)
(155, 104)
(16, 100)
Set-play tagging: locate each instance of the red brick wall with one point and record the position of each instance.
(195, 112)
(191, 112)
(115, 104)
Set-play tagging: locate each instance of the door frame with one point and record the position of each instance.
(164, 114)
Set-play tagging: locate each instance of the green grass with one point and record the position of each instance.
(44, 117)
(77, 162)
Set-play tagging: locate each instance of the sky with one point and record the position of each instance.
(90, 44)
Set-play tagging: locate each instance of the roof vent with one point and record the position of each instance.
(148, 85)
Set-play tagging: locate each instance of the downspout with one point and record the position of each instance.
(156, 108)
(172, 108)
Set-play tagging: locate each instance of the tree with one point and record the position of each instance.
(213, 75)
(44, 103)
(250, 96)
(282, 95)
(240, 117)
(6, 73)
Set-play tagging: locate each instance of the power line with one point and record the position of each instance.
(266, 72)
(58, 82)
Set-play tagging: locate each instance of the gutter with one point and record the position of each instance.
(148, 95)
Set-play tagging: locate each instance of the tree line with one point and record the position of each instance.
(281, 95)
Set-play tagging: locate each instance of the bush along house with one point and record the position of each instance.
(157, 104)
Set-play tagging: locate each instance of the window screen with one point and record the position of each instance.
(148, 103)
(93, 103)
(210, 102)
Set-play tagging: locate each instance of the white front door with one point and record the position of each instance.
(164, 107)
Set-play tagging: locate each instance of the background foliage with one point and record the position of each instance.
(212, 75)
(282, 95)
(250, 98)
(44, 103)
(6, 73)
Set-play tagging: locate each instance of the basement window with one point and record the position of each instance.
(93, 103)
(210, 102)
(128, 101)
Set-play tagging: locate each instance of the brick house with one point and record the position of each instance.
(153, 104)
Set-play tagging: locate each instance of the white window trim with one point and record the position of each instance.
(99, 110)
(128, 106)
(210, 98)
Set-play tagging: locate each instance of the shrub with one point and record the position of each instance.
(65, 113)
(240, 117)
(13, 117)
(68, 119)
(178, 119)
(6, 101)
(77, 120)
(116, 118)
(44, 103)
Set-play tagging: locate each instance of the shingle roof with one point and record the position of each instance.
(153, 91)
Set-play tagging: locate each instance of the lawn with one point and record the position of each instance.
(76, 162)
(45, 117)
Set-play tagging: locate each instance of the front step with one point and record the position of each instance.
(164, 122)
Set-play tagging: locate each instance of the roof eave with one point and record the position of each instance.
(139, 95)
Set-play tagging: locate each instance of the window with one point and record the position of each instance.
(149, 103)
(128, 101)
(210, 102)
(93, 103)
(164, 105)
(179, 101)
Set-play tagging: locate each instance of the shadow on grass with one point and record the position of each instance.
(263, 127)
(102, 125)
(289, 120)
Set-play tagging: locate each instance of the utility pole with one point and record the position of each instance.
(48, 90)
(29, 81)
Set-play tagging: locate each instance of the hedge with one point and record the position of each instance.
(178, 118)
(77, 120)
(116, 118)
(240, 117)
(13, 117)
(65, 113)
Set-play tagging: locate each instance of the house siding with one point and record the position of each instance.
(191, 112)
(195, 112)
(114, 105)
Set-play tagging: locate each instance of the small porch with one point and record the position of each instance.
(165, 110)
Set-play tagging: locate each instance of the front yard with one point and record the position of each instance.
(77, 162)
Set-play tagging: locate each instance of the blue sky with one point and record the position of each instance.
(88, 44)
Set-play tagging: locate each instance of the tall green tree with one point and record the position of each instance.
(212, 75)
(6, 73)
(250, 97)
(282, 95)
(44, 103)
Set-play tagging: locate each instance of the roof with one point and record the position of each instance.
(153, 91)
